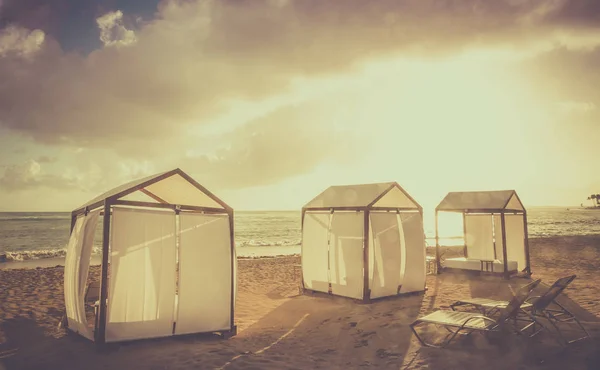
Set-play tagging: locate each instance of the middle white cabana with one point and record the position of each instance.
(363, 242)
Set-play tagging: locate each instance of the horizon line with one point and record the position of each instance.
(273, 210)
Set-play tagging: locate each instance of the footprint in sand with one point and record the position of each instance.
(362, 343)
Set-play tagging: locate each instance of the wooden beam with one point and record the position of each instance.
(131, 190)
(100, 332)
(134, 203)
(301, 249)
(504, 251)
(153, 196)
(437, 245)
(366, 290)
(465, 249)
(335, 209)
(401, 209)
(381, 195)
(233, 276)
(203, 189)
(526, 233)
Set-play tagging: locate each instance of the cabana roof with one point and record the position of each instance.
(481, 201)
(378, 195)
(173, 187)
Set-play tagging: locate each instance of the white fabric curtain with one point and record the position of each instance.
(386, 254)
(498, 237)
(515, 240)
(205, 275)
(142, 274)
(315, 233)
(346, 254)
(479, 237)
(414, 246)
(71, 274)
(77, 265)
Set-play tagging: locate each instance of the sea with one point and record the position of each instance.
(32, 239)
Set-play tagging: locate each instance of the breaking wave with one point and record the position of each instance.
(20, 256)
(268, 243)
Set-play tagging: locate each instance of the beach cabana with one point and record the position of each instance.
(494, 230)
(363, 242)
(168, 262)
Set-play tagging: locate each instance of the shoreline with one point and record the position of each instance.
(259, 253)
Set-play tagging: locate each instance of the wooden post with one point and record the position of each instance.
(233, 276)
(100, 332)
(73, 220)
(366, 290)
(301, 249)
(527, 261)
(437, 245)
(504, 252)
(494, 240)
(465, 250)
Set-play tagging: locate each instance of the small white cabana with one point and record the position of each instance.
(168, 262)
(494, 229)
(363, 242)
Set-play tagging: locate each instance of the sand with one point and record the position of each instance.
(279, 329)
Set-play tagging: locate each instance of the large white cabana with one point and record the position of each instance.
(363, 242)
(168, 262)
(495, 232)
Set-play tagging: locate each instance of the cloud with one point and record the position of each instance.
(577, 107)
(196, 59)
(20, 42)
(291, 141)
(30, 175)
(46, 159)
(113, 31)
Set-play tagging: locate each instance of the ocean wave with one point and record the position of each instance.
(33, 218)
(27, 255)
(268, 243)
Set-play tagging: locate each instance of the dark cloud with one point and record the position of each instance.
(46, 159)
(198, 55)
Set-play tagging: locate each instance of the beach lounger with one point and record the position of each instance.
(465, 323)
(544, 306)
(92, 295)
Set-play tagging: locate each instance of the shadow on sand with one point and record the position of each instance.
(322, 331)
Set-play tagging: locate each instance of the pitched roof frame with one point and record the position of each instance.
(371, 204)
(450, 203)
(111, 198)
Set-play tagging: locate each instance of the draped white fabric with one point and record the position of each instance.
(315, 234)
(77, 264)
(515, 240)
(71, 274)
(346, 259)
(413, 279)
(142, 274)
(479, 237)
(205, 274)
(386, 257)
(498, 237)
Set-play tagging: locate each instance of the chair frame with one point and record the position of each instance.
(507, 313)
(538, 307)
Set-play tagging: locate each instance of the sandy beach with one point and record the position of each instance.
(280, 329)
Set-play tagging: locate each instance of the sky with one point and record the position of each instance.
(268, 102)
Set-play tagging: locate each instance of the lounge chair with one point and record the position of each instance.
(457, 322)
(544, 306)
(92, 295)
